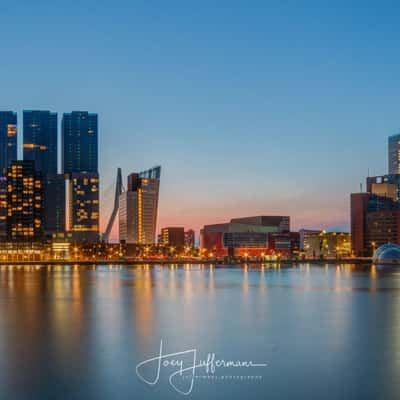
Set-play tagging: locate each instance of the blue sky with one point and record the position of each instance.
(250, 107)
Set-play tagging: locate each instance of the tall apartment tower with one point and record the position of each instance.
(25, 202)
(8, 140)
(80, 166)
(41, 147)
(394, 154)
(79, 142)
(40, 140)
(138, 207)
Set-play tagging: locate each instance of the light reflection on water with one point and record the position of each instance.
(72, 332)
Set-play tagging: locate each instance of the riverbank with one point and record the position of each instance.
(359, 261)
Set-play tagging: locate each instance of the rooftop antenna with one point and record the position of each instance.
(360, 187)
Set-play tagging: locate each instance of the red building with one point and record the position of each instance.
(358, 210)
(375, 220)
(250, 237)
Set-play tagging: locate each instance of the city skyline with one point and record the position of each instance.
(305, 115)
(61, 155)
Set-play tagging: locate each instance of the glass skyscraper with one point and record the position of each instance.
(79, 132)
(79, 142)
(41, 147)
(394, 154)
(8, 139)
(40, 140)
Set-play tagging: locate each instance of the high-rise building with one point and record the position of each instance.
(394, 154)
(41, 146)
(79, 132)
(40, 140)
(83, 206)
(8, 139)
(79, 137)
(138, 207)
(24, 202)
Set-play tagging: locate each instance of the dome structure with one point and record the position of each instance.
(381, 249)
(387, 254)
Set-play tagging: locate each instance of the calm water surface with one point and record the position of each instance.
(324, 331)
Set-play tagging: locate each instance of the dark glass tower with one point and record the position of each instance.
(41, 147)
(8, 139)
(80, 166)
(40, 140)
(79, 142)
(54, 204)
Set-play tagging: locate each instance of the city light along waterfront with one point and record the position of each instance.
(79, 332)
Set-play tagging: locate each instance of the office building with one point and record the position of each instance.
(3, 208)
(173, 236)
(305, 234)
(79, 133)
(328, 245)
(41, 147)
(79, 139)
(190, 238)
(138, 207)
(24, 202)
(83, 206)
(40, 140)
(250, 235)
(8, 139)
(394, 154)
(374, 221)
(384, 186)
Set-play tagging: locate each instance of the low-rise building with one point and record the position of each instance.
(328, 245)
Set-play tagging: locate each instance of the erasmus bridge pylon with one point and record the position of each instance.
(118, 191)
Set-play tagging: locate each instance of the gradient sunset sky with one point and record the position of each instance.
(251, 107)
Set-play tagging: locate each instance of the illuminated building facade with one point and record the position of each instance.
(79, 132)
(138, 207)
(3, 208)
(394, 154)
(173, 236)
(259, 233)
(24, 202)
(83, 206)
(8, 139)
(328, 245)
(305, 234)
(40, 140)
